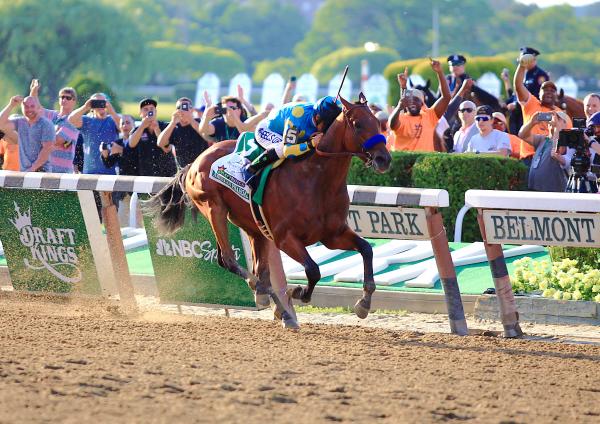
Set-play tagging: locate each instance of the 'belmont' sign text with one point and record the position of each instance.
(544, 228)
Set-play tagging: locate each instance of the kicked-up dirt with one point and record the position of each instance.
(79, 362)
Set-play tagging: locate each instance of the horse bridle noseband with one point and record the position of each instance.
(367, 144)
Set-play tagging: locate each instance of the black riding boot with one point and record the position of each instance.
(251, 170)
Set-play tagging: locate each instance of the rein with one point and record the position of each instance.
(365, 145)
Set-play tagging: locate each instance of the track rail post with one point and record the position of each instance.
(506, 299)
(445, 265)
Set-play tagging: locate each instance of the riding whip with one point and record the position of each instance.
(342, 83)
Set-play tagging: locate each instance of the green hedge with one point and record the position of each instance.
(326, 67)
(170, 62)
(454, 173)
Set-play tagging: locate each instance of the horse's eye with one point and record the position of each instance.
(357, 125)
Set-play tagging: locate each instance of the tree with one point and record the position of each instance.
(401, 25)
(54, 39)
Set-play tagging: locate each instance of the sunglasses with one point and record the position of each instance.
(466, 110)
(483, 118)
(233, 107)
(64, 97)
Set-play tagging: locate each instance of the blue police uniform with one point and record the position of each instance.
(534, 78)
(455, 83)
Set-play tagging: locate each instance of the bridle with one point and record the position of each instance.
(367, 144)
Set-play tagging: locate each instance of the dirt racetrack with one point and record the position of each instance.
(77, 363)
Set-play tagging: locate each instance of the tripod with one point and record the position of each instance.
(581, 183)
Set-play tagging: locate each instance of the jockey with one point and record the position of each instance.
(286, 132)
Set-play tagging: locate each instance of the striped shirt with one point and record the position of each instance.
(61, 158)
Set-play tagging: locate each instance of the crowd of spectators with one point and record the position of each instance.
(95, 139)
(525, 126)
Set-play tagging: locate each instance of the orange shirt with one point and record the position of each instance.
(515, 146)
(10, 152)
(530, 107)
(415, 132)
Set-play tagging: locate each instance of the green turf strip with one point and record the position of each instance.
(472, 279)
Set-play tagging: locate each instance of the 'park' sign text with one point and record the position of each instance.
(548, 229)
(388, 222)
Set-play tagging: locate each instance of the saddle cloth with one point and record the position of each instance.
(228, 169)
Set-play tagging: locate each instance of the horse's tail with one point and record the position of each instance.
(168, 206)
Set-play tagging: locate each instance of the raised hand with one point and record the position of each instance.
(16, 100)
(207, 100)
(403, 78)
(436, 65)
(34, 87)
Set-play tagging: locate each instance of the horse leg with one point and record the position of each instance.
(349, 240)
(297, 251)
(217, 217)
(283, 301)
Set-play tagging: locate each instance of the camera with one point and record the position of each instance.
(98, 104)
(220, 110)
(580, 181)
(104, 146)
(185, 106)
(574, 139)
(581, 124)
(150, 113)
(292, 78)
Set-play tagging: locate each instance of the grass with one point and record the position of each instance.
(163, 111)
(346, 310)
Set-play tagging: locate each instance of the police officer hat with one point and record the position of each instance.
(457, 59)
(529, 50)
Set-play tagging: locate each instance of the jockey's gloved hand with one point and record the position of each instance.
(315, 138)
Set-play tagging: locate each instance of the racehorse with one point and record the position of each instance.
(306, 201)
(572, 106)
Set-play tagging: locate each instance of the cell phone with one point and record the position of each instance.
(545, 116)
(150, 113)
(98, 104)
(220, 110)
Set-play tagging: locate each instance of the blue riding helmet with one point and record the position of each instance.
(594, 119)
(327, 109)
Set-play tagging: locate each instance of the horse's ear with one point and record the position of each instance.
(361, 98)
(561, 93)
(410, 84)
(345, 103)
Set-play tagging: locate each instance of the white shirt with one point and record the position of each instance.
(462, 137)
(491, 143)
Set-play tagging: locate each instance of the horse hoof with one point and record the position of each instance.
(262, 301)
(289, 322)
(295, 293)
(360, 310)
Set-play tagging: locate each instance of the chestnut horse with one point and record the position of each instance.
(305, 201)
(572, 106)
